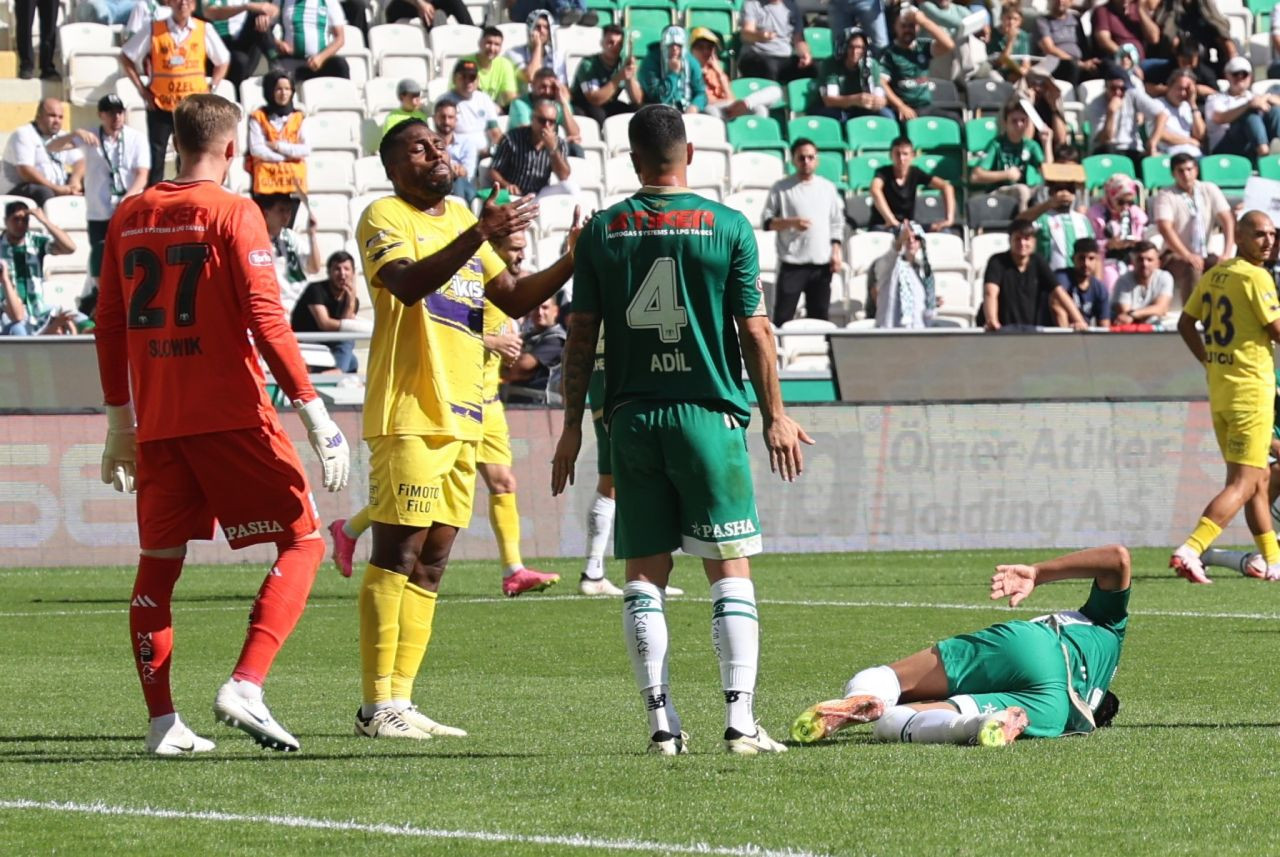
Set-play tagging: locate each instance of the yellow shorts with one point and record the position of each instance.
(1244, 436)
(495, 445)
(417, 481)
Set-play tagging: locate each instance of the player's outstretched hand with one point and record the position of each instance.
(566, 457)
(327, 440)
(1014, 582)
(498, 221)
(783, 437)
(120, 454)
(575, 229)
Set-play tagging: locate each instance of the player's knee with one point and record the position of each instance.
(310, 546)
(165, 553)
(503, 483)
(1119, 556)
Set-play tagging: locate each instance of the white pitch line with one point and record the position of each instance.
(406, 830)
(895, 605)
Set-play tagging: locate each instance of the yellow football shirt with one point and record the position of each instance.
(495, 322)
(426, 362)
(1235, 301)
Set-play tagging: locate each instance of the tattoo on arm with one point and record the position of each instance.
(578, 362)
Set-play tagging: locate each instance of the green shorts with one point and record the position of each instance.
(1012, 663)
(604, 462)
(683, 480)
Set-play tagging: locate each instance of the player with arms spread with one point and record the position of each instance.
(187, 269)
(1044, 678)
(1235, 303)
(430, 270)
(674, 279)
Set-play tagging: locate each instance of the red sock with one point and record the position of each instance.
(278, 606)
(151, 628)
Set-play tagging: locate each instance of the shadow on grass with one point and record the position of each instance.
(219, 598)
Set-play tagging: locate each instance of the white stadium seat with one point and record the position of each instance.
(556, 212)
(84, 38)
(865, 247)
(795, 347)
(767, 246)
(380, 94)
(370, 176)
(359, 58)
(67, 212)
(620, 175)
(251, 97)
(330, 94)
(586, 173)
(450, 43)
(63, 291)
(578, 41)
(340, 131)
(709, 171)
(330, 172)
(615, 133)
(70, 263)
(755, 170)
(516, 35)
(93, 75)
(331, 210)
(983, 247)
(750, 203)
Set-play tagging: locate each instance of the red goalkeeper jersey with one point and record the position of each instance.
(187, 276)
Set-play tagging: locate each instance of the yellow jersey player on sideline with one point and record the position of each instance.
(502, 343)
(1235, 304)
(430, 271)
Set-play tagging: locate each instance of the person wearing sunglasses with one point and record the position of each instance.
(1240, 122)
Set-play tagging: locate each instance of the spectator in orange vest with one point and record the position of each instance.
(278, 140)
(173, 53)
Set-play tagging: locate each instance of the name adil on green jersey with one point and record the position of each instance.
(669, 361)
(678, 222)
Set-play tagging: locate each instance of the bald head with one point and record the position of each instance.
(49, 116)
(1256, 237)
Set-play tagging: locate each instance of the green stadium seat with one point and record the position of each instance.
(1228, 172)
(830, 167)
(1099, 168)
(802, 95)
(1156, 172)
(862, 169)
(824, 131)
(744, 86)
(871, 133)
(942, 165)
(607, 10)
(754, 133)
(934, 133)
(1261, 7)
(978, 133)
(715, 15)
(644, 38)
(647, 14)
(1269, 167)
(819, 39)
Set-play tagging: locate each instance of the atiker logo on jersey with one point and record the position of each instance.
(252, 528)
(261, 258)
(654, 221)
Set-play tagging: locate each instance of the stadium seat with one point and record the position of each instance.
(620, 176)
(556, 213)
(979, 132)
(946, 252)
(865, 248)
(945, 95)
(804, 337)
(744, 86)
(341, 131)
(934, 134)
(756, 133)
(68, 212)
(251, 97)
(947, 167)
(767, 245)
(1228, 172)
(331, 172)
(77, 38)
(238, 180)
(1099, 168)
(332, 94)
(644, 21)
(420, 67)
(755, 170)
(76, 262)
(987, 96)
(956, 293)
(819, 39)
(801, 95)
(862, 169)
(62, 290)
(871, 134)
(991, 211)
(750, 203)
(709, 170)
(706, 131)
(982, 248)
(1156, 172)
(359, 58)
(857, 209)
(929, 208)
(587, 173)
(1269, 167)
(380, 95)
(450, 42)
(615, 134)
(400, 50)
(831, 167)
(719, 16)
(823, 131)
(607, 10)
(93, 75)
(575, 41)
(515, 34)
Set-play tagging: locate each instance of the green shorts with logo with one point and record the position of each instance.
(683, 480)
(604, 462)
(1012, 663)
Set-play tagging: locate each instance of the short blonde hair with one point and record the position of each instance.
(203, 121)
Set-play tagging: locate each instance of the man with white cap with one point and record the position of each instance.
(1240, 122)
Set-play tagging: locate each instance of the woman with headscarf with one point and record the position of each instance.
(277, 140)
(1119, 223)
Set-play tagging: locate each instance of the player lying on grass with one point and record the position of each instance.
(1041, 678)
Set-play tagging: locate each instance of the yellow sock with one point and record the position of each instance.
(378, 604)
(1267, 547)
(417, 611)
(357, 523)
(1204, 535)
(504, 517)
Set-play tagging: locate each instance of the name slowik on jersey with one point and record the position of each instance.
(178, 346)
(252, 528)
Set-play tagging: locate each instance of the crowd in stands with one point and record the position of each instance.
(1015, 165)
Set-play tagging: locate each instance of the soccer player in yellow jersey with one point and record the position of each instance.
(502, 343)
(430, 270)
(1235, 304)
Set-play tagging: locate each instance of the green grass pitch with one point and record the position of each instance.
(554, 764)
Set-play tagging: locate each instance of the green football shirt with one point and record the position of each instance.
(667, 271)
(1093, 647)
(1002, 153)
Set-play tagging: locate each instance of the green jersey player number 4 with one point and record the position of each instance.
(672, 280)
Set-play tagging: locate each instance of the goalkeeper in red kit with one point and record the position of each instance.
(188, 299)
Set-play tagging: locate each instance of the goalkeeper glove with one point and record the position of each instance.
(327, 440)
(121, 451)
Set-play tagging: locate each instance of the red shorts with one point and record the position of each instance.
(248, 481)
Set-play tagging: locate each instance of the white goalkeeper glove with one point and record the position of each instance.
(121, 451)
(327, 440)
